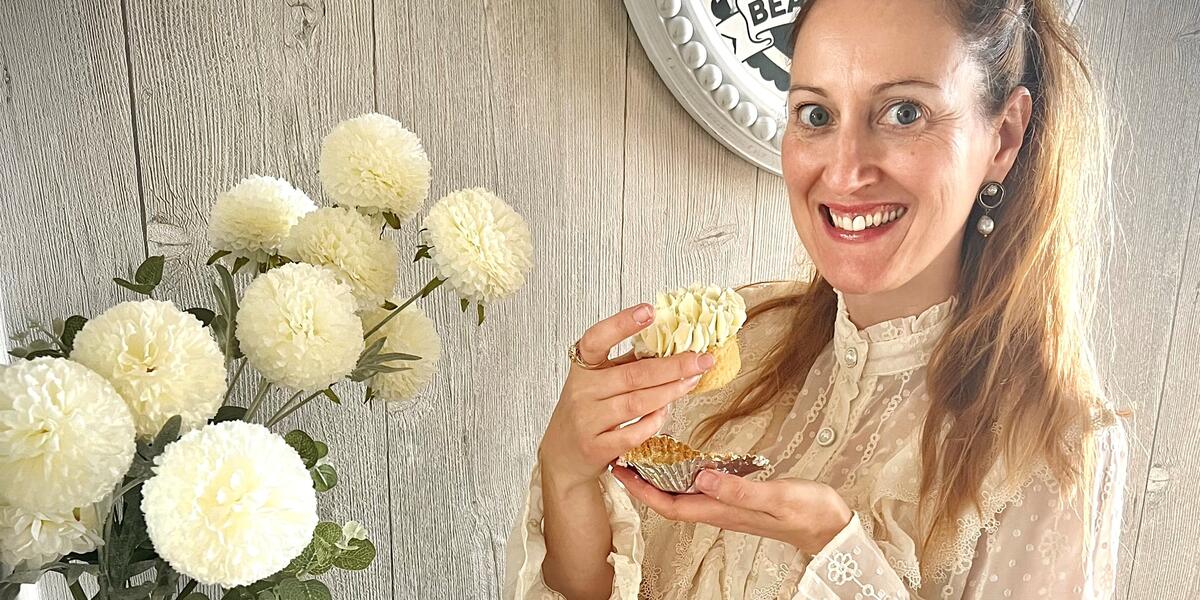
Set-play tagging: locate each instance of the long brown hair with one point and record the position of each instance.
(1013, 378)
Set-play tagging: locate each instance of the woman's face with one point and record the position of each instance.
(884, 123)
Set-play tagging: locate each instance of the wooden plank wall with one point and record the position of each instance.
(120, 121)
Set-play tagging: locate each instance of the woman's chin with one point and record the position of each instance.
(858, 281)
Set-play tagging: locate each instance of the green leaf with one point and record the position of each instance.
(56, 326)
(294, 589)
(368, 394)
(45, 352)
(463, 303)
(150, 271)
(19, 352)
(389, 305)
(240, 262)
(203, 314)
(317, 558)
(359, 557)
(324, 478)
(169, 433)
(195, 596)
(304, 445)
(422, 252)
(322, 449)
(10, 591)
(387, 356)
(143, 289)
(332, 395)
(229, 413)
(392, 220)
(479, 311)
(218, 255)
(71, 328)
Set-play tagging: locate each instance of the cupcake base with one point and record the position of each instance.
(724, 370)
(672, 466)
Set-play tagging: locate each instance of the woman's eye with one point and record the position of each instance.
(813, 115)
(903, 113)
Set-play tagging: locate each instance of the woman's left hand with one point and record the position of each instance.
(803, 513)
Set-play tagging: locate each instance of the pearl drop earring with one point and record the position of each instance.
(994, 192)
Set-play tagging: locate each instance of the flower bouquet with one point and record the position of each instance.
(121, 454)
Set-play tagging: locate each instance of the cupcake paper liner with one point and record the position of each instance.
(672, 466)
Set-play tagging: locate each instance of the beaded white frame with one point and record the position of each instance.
(724, 94)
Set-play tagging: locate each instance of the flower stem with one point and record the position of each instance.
(233, 382)
(77, 591)
(425, 291)
(187, 589)
(258, 400)
(284, 411)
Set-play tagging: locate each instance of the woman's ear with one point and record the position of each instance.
(1011, 132)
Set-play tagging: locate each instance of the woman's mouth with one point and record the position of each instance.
(861, 224)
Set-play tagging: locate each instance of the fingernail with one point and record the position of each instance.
(706, 480)
(643, 314)
(706, 360)
(692, 381)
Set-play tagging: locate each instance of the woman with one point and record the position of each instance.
(928, 401)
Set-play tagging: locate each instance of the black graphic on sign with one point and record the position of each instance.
(757, 31)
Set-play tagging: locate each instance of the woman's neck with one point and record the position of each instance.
(936, 283)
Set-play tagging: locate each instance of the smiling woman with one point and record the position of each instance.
(928, 400)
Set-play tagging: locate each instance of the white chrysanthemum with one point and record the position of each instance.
(66, 436)
(410, 332)
(162, 360)
(229, 504)
(31, 539)
(480, 245)
(372, 163)
(695, 318)
(348, 243)
(254, 216)
(297, 325)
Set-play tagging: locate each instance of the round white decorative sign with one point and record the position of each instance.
(727, 63)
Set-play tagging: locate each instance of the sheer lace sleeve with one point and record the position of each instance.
(527, 547)
(1037, 547)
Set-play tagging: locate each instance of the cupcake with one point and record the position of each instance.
(697, 318)
(671, 465)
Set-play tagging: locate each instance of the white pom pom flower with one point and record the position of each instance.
(162, 361)
(253, 218)
(229, 504)
(410, 332)
(374, 164)
(297, 325)
(480, 245)
(347, 243)
(66, 436)
(31, 539)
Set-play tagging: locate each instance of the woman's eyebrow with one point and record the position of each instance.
(875, 90)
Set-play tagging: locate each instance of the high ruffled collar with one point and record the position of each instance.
(890, 346)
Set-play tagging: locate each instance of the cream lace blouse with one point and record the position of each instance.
(854, 425)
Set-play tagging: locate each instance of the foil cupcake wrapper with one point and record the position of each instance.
(678, 477)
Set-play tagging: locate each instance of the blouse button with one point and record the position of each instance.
(825, 436)
(851, 356)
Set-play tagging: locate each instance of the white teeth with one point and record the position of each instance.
(861, 222)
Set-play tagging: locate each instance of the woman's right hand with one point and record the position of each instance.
(584, 434)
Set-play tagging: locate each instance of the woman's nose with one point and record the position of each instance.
(851, 165)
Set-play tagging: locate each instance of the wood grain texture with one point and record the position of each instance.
(527, 102)
(70, 212)
(223, 90)
(1146, 62)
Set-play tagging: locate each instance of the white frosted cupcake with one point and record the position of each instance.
(697, 318)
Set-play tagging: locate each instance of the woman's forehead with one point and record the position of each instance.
(855, 43)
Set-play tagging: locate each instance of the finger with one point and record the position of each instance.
(650, 372)
(631, 405)
(738, 491)
(626, 358)
(619, 441)
(599, 339)
(690, 508)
